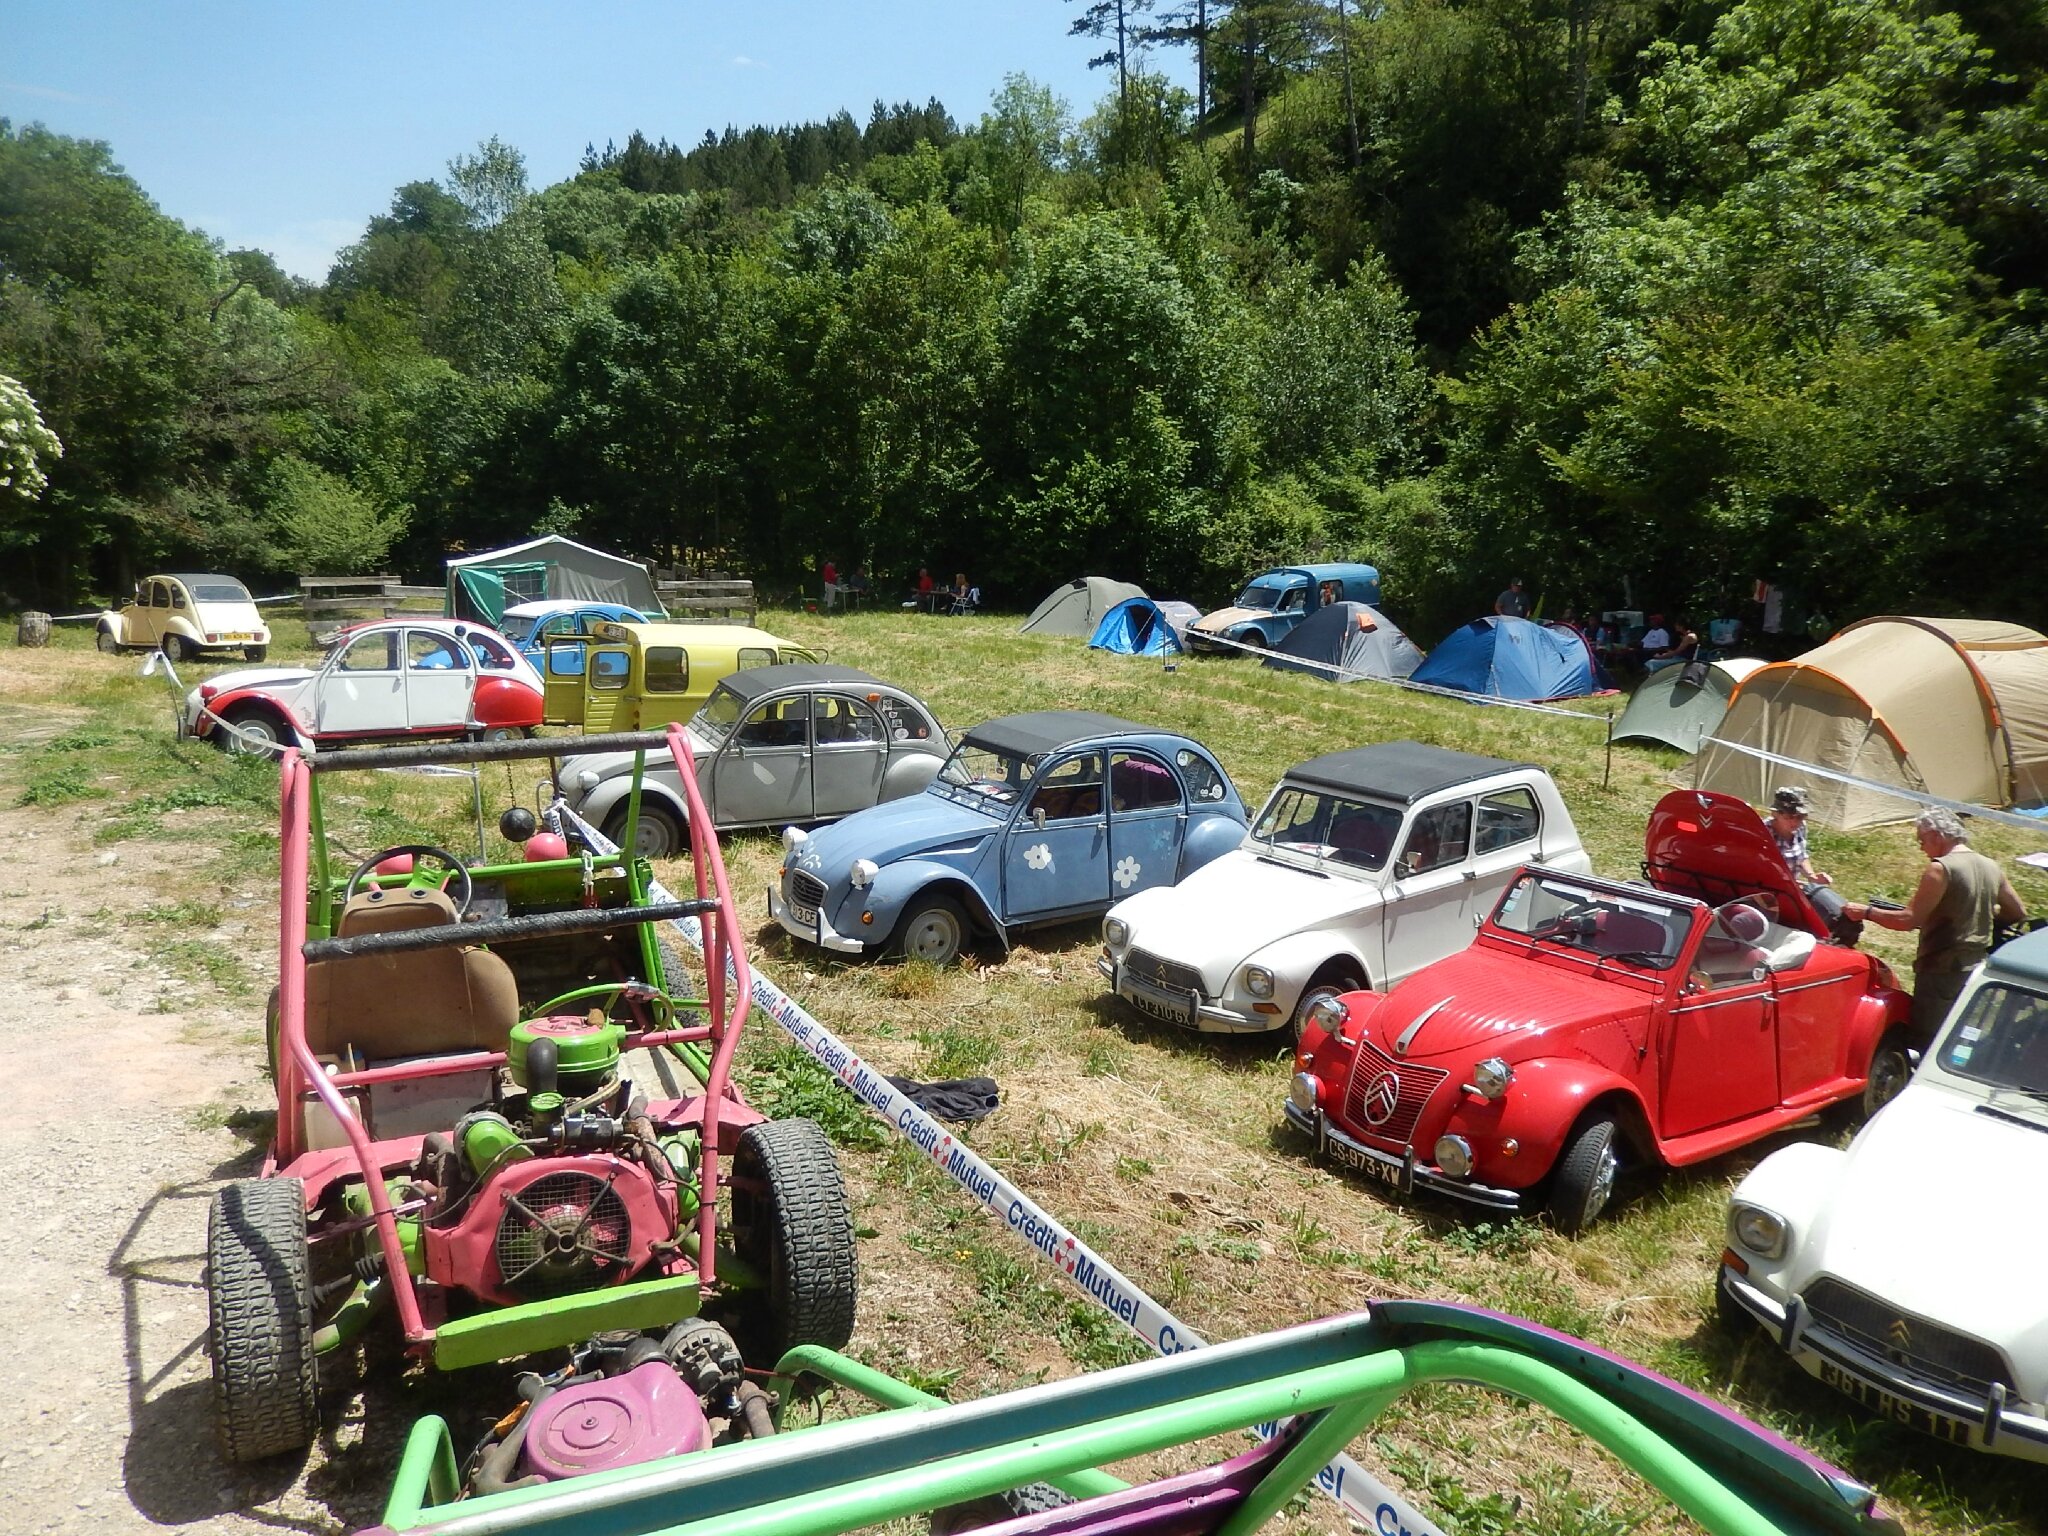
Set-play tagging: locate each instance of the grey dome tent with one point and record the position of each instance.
(482, 586)
(1667, 708)
(1139, 626)
(1078, 607)
(1355, 637)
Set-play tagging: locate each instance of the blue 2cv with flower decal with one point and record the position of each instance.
(1015, 831)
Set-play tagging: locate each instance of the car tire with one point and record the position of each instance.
(259, 1319)
(1322, 987)
(178, 648)
(1254, 637)
(502, 733)
(661, 833)
(792, 1221)
(1887, 1073)
(104, 639)
(1583, 1184)
(934, 928)
(258, 726)
(1729, 1313)
(255, 653)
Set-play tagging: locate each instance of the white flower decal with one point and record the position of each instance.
(1038, 856)
(1127, 871)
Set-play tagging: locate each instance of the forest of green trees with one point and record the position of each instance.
(1689, 294)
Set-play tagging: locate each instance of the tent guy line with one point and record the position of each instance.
(2032, 824)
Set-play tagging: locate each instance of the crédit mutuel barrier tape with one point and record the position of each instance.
(1383, 1511)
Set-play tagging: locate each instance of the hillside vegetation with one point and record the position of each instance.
(1687, 294)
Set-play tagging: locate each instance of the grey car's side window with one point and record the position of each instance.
(837, 720)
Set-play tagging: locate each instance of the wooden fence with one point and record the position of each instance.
(331, 603)
(706, 601)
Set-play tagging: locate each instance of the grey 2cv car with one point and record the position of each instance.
(776, 746)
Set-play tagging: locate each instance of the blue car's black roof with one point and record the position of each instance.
(1402, 771)
(1047, 730)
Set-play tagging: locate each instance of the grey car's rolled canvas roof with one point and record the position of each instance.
(752, 682)
(1046, 730)
(1401, 771)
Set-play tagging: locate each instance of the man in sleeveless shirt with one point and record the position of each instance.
(1960, 895)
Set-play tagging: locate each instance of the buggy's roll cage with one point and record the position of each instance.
(303, 868)
(1322, 1383)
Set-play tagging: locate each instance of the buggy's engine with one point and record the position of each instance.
(564, 1187)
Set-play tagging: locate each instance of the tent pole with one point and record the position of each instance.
(1607, 772)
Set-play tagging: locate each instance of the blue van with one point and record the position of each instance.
(1274, 601)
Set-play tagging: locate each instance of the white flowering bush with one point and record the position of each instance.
(25, 443)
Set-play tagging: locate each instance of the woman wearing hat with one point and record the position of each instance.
(1789, 808)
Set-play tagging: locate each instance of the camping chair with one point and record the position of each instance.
(962, 606)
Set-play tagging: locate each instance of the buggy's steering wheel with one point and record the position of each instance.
(456, 871)
(660, 1004)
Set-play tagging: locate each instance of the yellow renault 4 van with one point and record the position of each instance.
(639, 677)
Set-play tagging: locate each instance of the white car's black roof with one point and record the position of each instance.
(1047, 730)
(2025, 957)
(1401, 771)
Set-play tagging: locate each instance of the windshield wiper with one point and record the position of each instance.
(1266, 856)
(1638, 957)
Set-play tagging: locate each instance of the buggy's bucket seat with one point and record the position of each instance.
(425, 1002)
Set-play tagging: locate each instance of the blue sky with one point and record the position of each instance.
(285, 125)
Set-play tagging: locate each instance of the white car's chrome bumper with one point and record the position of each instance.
(1885, 1389)
(817, 932)
(1182, 1008)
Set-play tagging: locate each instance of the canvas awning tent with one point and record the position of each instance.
(482, 586)
(1951, 707)
(1077, 608)
(1355, 637)
(1506, 658)
(1667, 708)
(1139, 626)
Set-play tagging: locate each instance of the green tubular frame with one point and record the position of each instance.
(1332, 1377)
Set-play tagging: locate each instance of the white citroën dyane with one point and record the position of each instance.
(1365, 865)
(1910, 1270)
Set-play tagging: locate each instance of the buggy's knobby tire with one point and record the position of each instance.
(104, 639)
(796, 1230)
(1886, 1076)
(1010, 1504)
(259, 1319)
(1584, 1182)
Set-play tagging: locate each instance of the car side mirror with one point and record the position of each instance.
(1038, 817)
(1410, 863)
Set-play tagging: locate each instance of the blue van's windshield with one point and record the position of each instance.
(1261, 597)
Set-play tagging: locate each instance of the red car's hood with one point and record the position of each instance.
(1483, 996)
(1713, 846)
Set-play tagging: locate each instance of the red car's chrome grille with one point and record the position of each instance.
(1386, 1096)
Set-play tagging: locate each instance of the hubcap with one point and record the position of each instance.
(933, 936)
(1603, 1182)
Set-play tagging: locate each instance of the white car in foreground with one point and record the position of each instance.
(1910, 1271)
(1364, 866)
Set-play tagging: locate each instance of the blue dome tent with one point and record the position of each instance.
(1505, 658)
(1140, 626)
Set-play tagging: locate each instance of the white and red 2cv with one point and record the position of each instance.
(1595, 1024)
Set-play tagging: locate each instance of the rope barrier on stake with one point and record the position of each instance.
(2035, 824)
(1101, 1282)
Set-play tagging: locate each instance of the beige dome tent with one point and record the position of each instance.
(1951, 707)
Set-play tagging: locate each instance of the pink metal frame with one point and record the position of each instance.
(298, 1071)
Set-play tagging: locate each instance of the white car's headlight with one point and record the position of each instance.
(586, 779)
(1258, 981)
(793, 838)
(862, 872)
(1116, 933)
(1328, 1014)
(1760, 1231)
(1492, 1076)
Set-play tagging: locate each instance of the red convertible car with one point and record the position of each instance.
(1594, 1025)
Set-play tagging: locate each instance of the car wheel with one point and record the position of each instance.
(1728, 1312)
(106, 642)
(255, 653)
(259, 1315)
(1584, 1181)
(178, 648)
(1311, 994)
(503, 733)
(934, 929)
(1890, 1066)
(256, 733)
(1254, 637)
(660, 834)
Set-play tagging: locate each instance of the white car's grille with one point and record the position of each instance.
(1927, 1348)
(1170, 974)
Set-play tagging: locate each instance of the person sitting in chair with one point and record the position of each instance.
(1680, 646)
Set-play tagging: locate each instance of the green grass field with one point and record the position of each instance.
(1166, 1151)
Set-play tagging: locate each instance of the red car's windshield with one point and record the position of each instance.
(1598, 921)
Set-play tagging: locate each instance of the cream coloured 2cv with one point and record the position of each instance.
(1910, 1270)
(1365, 865)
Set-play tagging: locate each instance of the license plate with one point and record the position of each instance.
(239, 635)
(1172, 1007)
(808, 916)
(1393, 1175)
(1899, 1410)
